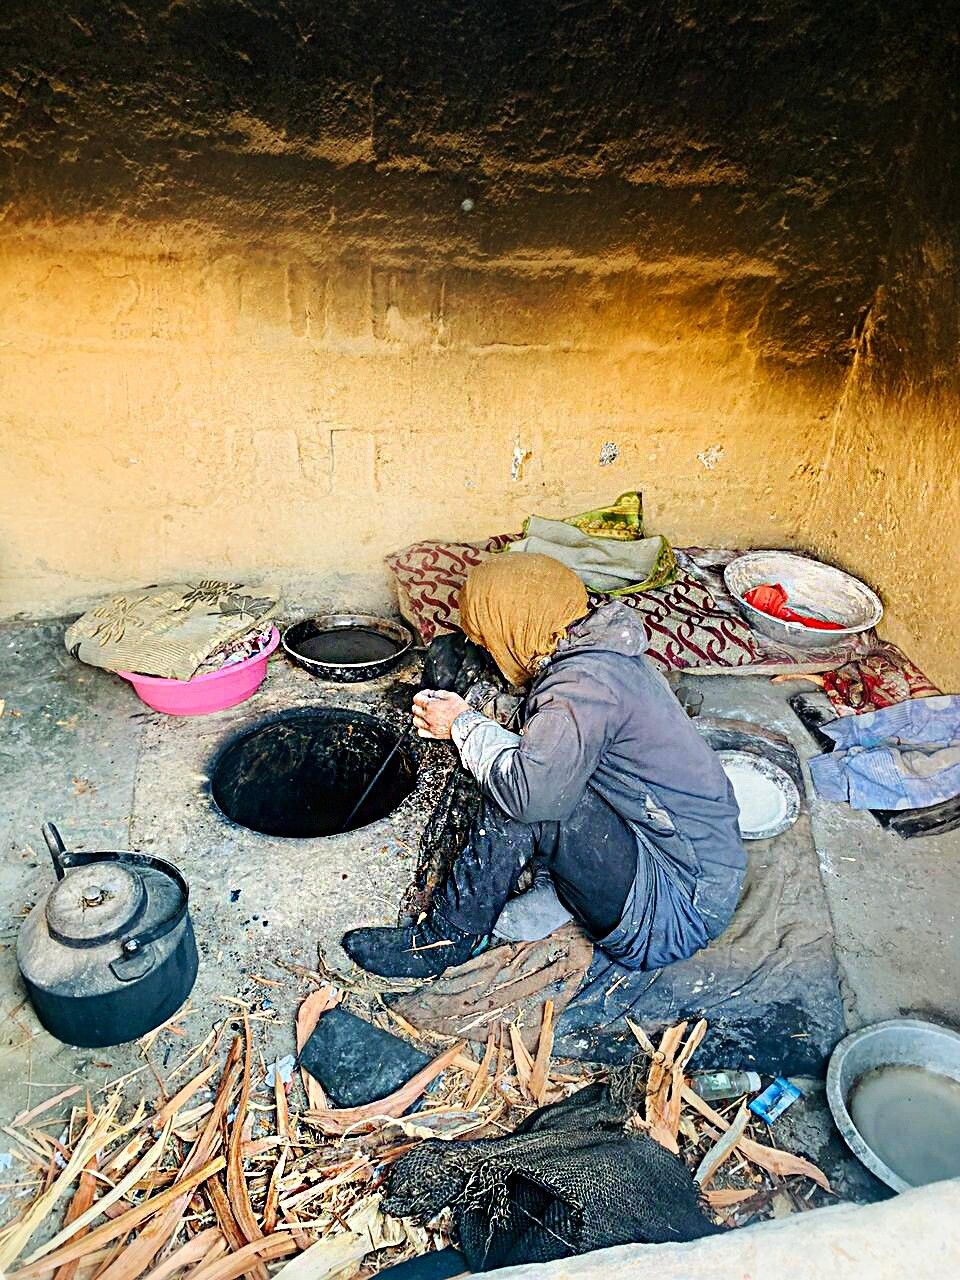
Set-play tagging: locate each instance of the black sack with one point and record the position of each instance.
(567, 1181)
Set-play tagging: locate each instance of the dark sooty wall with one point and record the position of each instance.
(772, 130)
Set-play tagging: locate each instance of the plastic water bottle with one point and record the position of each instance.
(714, 1085)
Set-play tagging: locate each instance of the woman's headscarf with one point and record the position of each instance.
(518, 607)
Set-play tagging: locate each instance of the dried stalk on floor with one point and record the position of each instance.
(226, 1177)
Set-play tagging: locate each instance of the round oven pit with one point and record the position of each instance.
(299, 775)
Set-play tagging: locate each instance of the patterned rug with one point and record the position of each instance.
(693, 624)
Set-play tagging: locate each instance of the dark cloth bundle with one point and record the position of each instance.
(567, 1181)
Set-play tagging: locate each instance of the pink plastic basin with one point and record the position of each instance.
(214, 691)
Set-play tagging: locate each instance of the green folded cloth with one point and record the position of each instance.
(610, 565)
(605, 547)
(621, 519)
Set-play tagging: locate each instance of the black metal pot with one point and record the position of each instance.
(347, 647)
(109, 953)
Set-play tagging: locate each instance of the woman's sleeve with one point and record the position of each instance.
(540, 775)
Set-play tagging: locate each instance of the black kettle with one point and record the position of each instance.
(109, 953)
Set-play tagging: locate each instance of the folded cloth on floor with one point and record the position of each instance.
(902, 757)
(503, 984)
(879, 679)
(771, 598)
(611, 565)
(169, 630)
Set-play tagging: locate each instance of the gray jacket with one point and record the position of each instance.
(600, 715)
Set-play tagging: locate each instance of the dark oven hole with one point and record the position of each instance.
(300, 775)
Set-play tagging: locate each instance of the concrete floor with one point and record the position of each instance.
(894, 902)
(78, 748)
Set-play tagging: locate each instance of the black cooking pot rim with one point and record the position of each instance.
(391, 628)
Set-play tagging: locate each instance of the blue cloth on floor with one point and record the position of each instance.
(902, 757)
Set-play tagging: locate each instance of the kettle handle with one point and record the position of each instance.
(56, 846)
(133, 942)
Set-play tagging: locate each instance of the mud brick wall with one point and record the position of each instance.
(284, 286)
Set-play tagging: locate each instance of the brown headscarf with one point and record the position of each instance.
(518, 607)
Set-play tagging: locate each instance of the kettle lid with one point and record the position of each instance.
(95, 903)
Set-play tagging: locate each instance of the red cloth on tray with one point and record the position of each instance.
(771, 598)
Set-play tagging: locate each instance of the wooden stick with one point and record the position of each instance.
(303, 1238)
(283, 1111)
(328, 1257)
(501, 1056)
(14, 1238)
(309, 1013)
(338, 1120)
(248, 1260)
(170, 1109)
(674, 1099)
(109, 1255)
(164, 1226)
(26, 1116)
(272, 1202)
(722, 1148)
(126, 1222)
(481, 1080)
(236, 1182)
(770, 1158)
(82, 1200)
(522, 1060)
(657, 1110)
(694, 1040)
(41, 1150)
(724, 1197)
(541, 1064)
(203, 1247)
(196, 1052)
(642, 1039)
(220, 1204)
(100, 1206)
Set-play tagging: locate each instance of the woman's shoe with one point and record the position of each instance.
(410, 951)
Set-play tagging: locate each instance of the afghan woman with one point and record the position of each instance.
(607, 788)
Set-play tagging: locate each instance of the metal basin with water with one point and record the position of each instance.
(894, 1091)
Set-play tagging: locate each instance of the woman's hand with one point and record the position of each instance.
(434, 711)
